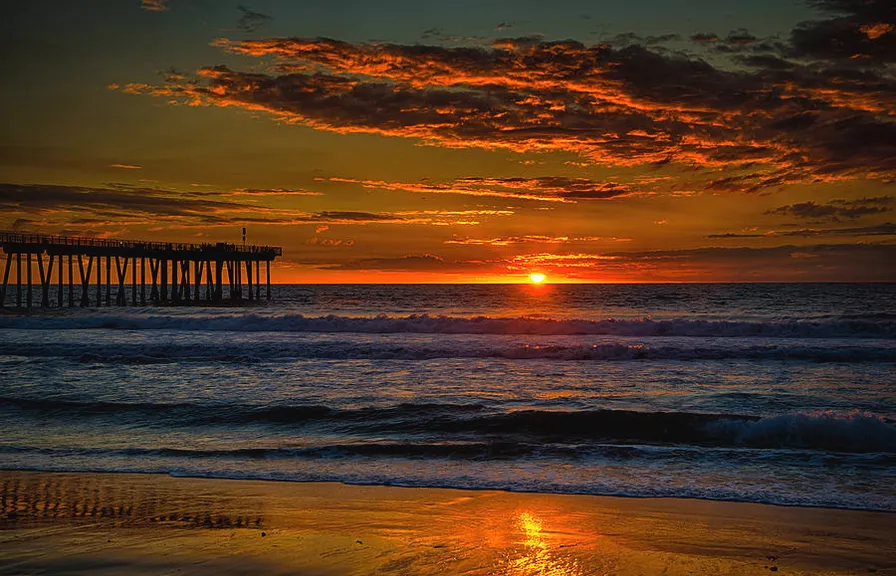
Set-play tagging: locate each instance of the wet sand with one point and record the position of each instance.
(155, 524)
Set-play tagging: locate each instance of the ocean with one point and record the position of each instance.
(774, 393)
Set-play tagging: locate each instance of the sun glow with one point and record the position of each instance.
(537, 277)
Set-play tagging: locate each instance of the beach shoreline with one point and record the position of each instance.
(100, 523)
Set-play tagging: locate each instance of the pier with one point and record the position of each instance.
(71, 266)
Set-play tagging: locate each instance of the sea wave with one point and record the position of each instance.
(429, 324)
(162, 352)
(462, 451)
(827, 431)
(771, 492)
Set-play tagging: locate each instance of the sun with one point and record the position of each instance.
(537, 277)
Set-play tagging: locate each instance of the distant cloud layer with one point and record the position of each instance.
(817, 107)
(837, 209)
(125, 205)
(887, 229)
(543, 189)
(824, 262)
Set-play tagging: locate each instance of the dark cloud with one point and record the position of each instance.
(737, 235)
(37, 198)
(632, 38)
(154, 5)
(859, 30)
(837, 209)
(120, 204)
(705, 38)
(269, 192)
(791, 115)
(251, 21)
(887, 229)
(335, 216)
(766, 61)
(740, 38)
(422, 263)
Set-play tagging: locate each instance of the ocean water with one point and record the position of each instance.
(776, 393)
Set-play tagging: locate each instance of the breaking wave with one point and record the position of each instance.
(846, 327)
(831, 432)
(160, 352)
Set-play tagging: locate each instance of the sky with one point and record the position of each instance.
(464, 141)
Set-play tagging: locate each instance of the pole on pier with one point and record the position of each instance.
(133, 281)
(45, 279)
(99, 281)
(120, 298)
(43, 292)
(5, 280)
(109, 280)
(45, 301)
(175, 282)
(28, 287)
(143, 280)
(197, 278)
(230, 278)
(164, 281)
(154, 272)
(239, 279)
(209, 282)
(249, 277)
(59, 273)
(85, 280)
(268, 270)
(18, 280)
(258, 280)
(177, 279)
(49, 281)
(185, 280)
(219, 280)
(71, 284)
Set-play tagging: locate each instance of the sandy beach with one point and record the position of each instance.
(155, 524)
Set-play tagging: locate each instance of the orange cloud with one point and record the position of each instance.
(544, 189)
(773, 114)
(876, 30)
(532, 239)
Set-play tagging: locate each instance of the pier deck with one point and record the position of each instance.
(175, 276)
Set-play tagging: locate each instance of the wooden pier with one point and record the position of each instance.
(176, 276)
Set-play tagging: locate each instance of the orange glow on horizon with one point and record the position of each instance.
(537, 277)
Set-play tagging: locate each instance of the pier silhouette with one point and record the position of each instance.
(176, 275)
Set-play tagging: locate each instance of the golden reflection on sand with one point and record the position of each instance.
(154, 524)
(535, 555)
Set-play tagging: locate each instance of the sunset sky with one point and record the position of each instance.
(464, 141)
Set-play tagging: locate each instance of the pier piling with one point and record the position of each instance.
(187, 264)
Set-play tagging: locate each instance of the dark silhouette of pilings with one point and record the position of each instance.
(175, 271)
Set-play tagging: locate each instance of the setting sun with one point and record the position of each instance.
(537, 277)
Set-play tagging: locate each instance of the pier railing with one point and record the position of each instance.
(49, 241)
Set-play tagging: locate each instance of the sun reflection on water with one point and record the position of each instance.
(535, 554)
